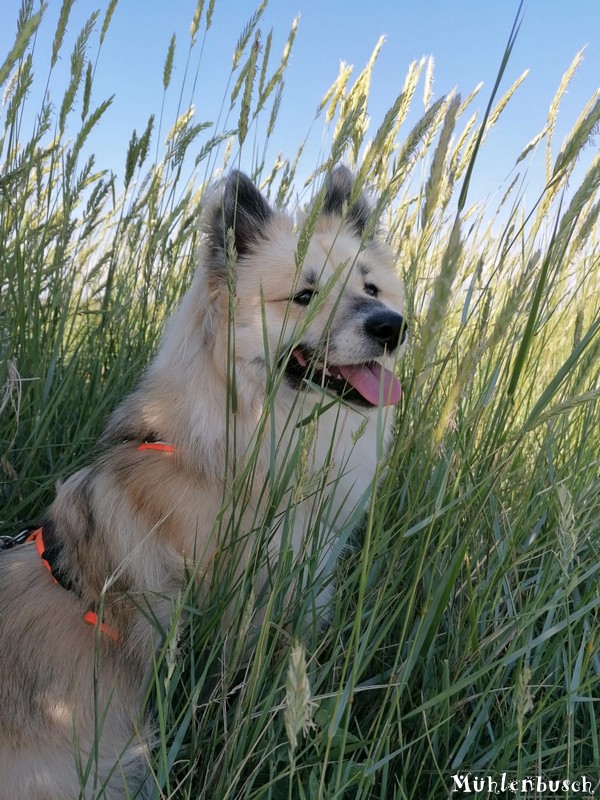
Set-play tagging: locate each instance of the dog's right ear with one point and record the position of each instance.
(338, 196)
(241, 208)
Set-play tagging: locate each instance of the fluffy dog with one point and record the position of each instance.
(280, 353)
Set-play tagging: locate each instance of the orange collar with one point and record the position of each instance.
(161, 446)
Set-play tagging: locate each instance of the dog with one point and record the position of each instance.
(282, 350)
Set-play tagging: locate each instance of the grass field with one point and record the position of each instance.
(464, 633)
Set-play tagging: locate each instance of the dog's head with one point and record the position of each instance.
(336, 319)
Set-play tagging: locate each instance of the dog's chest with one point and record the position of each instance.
(336, 454)
(347, 450)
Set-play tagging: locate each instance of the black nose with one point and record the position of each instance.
(387, 327)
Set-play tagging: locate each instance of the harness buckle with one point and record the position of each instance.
(6, 542)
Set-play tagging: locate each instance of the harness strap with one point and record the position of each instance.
(38, 538)
(93, 619)
(90, 616)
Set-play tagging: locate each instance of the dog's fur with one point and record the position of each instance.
(131, 525)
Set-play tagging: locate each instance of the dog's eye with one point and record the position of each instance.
(371, 290)
(304, 298)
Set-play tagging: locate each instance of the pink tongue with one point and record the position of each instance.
(367, 380)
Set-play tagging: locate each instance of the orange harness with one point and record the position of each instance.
(90, 616)
(38, 537)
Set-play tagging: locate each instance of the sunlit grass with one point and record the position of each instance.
(464, 628)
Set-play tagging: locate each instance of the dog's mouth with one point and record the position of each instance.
(368, 384)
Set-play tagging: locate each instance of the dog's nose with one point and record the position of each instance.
(387, 327)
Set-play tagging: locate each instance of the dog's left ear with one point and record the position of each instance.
(241, 208)
(338, 193)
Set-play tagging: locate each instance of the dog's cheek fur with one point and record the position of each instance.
(264, 282)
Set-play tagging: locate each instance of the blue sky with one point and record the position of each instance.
(466, 38)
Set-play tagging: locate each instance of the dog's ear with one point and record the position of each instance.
(338, 194)
(241, 208)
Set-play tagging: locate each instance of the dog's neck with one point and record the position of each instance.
(190, 398)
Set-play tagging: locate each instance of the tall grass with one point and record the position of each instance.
(464, 629)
